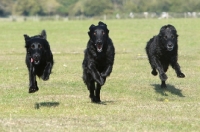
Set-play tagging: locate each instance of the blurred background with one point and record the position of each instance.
(38, 10)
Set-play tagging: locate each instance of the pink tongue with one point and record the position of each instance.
(31, 59)
(99, 46)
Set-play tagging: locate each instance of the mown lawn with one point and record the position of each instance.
(132, 99)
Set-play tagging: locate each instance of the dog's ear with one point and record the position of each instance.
(173, 28)
(104, 25)
(91, 30)
(166, 27)
(91, 27)
(162, 29)
(159, 36)
(107, 31)
(26, 37)
(43, 34)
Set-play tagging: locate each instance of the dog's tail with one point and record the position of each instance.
(43, 34)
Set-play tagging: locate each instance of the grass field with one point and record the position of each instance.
(132, 99)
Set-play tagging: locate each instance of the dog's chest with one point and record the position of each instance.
(166, 57)
(101, 57)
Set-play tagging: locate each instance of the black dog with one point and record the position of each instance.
(98, 60)
(162, 52)
(39, 59)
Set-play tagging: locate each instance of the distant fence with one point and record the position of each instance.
(131, 15)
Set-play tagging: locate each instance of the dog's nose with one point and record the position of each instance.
(99, 41)
(36, 56)
(170, 45)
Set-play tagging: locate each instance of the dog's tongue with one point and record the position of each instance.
(31, 60)
(99, 46)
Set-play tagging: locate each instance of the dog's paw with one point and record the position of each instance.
(95, 99)
(103, 75)
(163, 86)
(45, 76)
(180, 75)
(102, 81)
(163, 77)
(33, 89)
(154, 72)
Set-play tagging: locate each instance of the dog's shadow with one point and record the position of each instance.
(46, 104)
(170, 88)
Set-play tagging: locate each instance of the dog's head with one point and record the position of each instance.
(35, 47)
(168, 37)
(98, 35)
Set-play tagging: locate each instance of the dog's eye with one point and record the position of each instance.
(103, 33)
(33, 46)
(39, 46)
(165, 37)
(172, 37)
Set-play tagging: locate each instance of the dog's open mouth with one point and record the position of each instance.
(99, 47)
(169, 48)
(35, 61)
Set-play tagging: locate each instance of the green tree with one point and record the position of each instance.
(66, 6)
(6, 7)
(98, 7)
(34, 7)
(49, 7)
(129, 6)
(78, 8)
(27, 7)
(94, 7)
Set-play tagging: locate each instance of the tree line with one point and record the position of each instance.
(94, 7)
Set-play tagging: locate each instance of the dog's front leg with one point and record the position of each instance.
(95, 74)
(32, 80)
(177, 68)
(47, 71)
(107, 71)
(157, 64)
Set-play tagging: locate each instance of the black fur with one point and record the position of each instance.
(39, 59)
(98, 60)
(162, 52)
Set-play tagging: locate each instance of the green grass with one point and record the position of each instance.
(132, 99)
